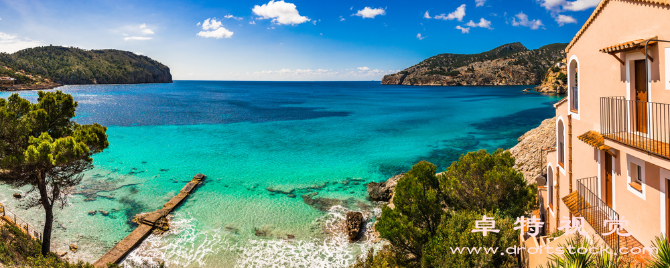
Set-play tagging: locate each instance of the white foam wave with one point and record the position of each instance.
(184, 245)
(334, 251)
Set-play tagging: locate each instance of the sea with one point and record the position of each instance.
(284, 163)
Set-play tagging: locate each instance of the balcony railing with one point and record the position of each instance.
(642, 125)
(596, 211)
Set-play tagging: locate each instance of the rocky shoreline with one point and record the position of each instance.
(527, 151)
(21, 87)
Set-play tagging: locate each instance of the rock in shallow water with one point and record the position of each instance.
(17, 195)
(74, 247)
(354, 225)
(383, 191)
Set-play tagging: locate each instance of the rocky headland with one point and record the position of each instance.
(51, 66)
(510, 64)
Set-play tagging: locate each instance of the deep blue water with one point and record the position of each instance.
(326, 139)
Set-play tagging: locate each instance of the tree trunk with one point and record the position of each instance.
(48, 209)
(46, 236)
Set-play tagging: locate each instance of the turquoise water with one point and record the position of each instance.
(277, 155)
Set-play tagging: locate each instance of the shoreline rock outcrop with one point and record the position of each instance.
(354, 225)
(555, 80)
(383, 191)
(527, 151)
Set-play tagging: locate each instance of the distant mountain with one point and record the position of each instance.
(510, 64)
(69, 65)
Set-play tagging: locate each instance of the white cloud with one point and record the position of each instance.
(480, 3)
(342, 18)
(426, 15)
(418, 36)
(580, 5)
(458, 14)
(145, 30)
(211, 24)
(554, 5)
(212, 28)
(370, 13)
(137, 38)
(483, 23)
(280, 12)
(252, 22)
(524, 21)
(359, 73)
(563, 19)
(563, 5)
(11, 43)
(463, 29)
(218, 33)
(229, 16)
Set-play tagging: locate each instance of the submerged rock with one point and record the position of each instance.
(17, 195)
(103, 212)
(263, 232)
(74, 247)
(354, 225)
(92, 213)
(383, 191)
(324, 204)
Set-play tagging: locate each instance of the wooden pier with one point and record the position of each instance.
(146, 225)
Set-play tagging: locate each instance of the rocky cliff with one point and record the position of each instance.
(555, 80)
(527, 151)
(69, 65)
(510, 64)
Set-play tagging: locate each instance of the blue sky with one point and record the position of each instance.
(290, 39)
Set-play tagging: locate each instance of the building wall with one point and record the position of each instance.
(601, 75)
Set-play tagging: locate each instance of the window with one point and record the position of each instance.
(638, 170)
(636, 176)
(573, 83)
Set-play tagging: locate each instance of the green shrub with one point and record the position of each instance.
(481, 181)
(417, 213)
(563, 78)
(455, 232)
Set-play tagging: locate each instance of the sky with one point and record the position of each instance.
(290, 39)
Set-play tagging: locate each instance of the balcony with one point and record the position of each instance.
(639, 124)
(585, 203)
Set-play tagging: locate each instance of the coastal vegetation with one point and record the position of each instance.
(41, 147)
(434, 212)
(18, 249)
(510, 64)
(70, 65)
